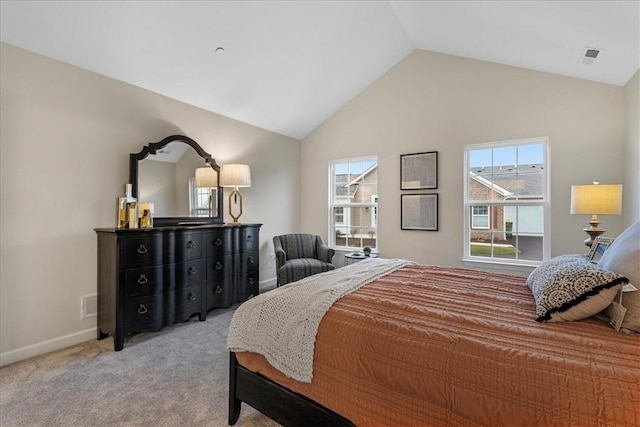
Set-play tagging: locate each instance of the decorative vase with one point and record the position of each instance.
(127, 208)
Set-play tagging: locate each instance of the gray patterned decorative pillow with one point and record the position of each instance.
(570, 287)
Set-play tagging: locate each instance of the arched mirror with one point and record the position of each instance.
(179, 180)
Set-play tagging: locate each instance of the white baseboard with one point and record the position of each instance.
(267, 285)
(54, 344)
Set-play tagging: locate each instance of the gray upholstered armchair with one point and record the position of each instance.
(300, 255)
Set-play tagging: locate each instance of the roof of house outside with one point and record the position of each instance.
(521, 180)
(347, 184)
(343, 189)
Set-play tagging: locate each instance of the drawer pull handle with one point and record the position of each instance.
(249, 238)
(218, 242)
(218, 265)
(142, 280)
(192, 270)
(142, 249)
(191, 244)
(251, 280)
(251, 261)
(142, 309)
(192, 296)
(218, 290)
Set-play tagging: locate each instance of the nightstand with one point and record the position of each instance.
(353, 257)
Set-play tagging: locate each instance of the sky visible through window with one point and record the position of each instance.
(511, 155)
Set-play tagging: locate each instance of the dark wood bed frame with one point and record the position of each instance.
(275, 401)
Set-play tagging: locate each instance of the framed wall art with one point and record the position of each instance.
(419, 171)
(599, 246)
(419, 212)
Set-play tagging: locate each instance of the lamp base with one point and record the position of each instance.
(593, 232)
(235, 200)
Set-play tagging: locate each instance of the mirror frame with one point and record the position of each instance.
(152, 148)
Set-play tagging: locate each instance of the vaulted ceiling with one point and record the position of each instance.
(287, 66)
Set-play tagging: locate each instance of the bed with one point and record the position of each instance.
(429, 345)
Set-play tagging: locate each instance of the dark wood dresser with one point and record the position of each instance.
(151, 278)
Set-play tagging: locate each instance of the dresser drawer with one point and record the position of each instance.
(189, 246)
(219, 294)
(248, 286)
(248, 262)
(219, 268)
(144, 280)
(249, 239)
(189, 301)
(219, 242)
(189, 273)
(144, 313)
(142, 250)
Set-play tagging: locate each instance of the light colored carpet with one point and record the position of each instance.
(175, 377)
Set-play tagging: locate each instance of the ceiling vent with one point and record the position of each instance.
(590, 56)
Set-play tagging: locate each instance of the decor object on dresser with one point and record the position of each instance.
(596, 199)
(299, 255)
(164, 172)
(127, 209)
(235, 176)
(145, 213)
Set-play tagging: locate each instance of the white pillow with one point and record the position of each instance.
(623, 257)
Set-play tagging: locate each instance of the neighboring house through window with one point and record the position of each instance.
(353, 206)
(507, 202)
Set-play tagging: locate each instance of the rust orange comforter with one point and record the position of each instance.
(441, 346)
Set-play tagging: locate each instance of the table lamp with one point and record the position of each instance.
(596, 199)
(234, 176)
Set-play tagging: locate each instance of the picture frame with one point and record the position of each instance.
(419, 212)
(599, 246)
(419, 171)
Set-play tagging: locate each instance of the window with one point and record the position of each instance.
(507, 202)
(202, 200)
(480, 217)
(353, 203)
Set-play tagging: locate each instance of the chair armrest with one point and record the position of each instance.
(281, 255)
(325, 253)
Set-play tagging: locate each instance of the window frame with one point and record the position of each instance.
(345, 203)
(544, 202)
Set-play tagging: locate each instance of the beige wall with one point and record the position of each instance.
(631, 190)
(437, 102)
(65, 140)
(66, 134)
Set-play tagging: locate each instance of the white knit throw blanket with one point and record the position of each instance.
(282, 324)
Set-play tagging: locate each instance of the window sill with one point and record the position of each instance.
(507, 267)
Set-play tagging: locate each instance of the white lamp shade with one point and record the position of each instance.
(206, 178)
(596, 199)
(235, 175)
